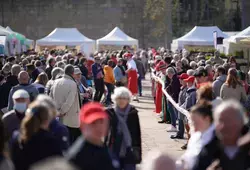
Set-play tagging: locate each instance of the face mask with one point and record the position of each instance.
(20, 107)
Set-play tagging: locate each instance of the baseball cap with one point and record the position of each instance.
(21, 94)
(190, 79)
(91, 112)
(200, 73)
(183, 76)
(77, 71)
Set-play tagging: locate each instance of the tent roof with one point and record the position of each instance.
(117, 37)
(64, 36)
(4, 31)
(242, 35)
(200, 35)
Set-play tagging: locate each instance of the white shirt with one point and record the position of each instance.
(131, 64)
(197, 141)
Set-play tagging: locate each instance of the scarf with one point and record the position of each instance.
(122, 70)
(122, 128)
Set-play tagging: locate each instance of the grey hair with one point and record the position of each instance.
(184, 61)
(193, 64)
(232, 105)
(56, 72)
(53, 163)
(170, 70)
(15, 69)
(48, 101)
(190, 72)
(156, 160)
(122, 92)
(60, 64)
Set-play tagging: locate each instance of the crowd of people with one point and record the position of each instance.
(49, 108)
(61, 106)
(214, 96)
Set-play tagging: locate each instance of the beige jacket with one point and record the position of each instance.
(238, 93)
(65, 93)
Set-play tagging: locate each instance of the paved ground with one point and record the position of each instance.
(154, 135)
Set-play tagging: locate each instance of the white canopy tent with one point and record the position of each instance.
(117, 38)
(198, 36)
(68, 37)
(233, 44)
(8, 41)
(18, 46)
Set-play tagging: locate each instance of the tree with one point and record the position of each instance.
(160, 13)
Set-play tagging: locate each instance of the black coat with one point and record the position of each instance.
(41, 145)
(174, 88)
(134, 129)
(214, 151)
(5, 90)
(84, 71)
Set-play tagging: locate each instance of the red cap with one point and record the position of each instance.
(91, 112)
(128, 55)
(190, 79)
(183, 76)
(161, 66)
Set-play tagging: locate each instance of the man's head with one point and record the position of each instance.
(15, 69)
(168, 60)
(21, 100)
(120, 62)
(97, 59)
(51, 61)
(94, 121)
(23, 77)
(229, 119)
(190, 81)
(77, 74)
(170, 72)
(182, 77)
(201, 76)
(220, 71)
(216, 54)
(69, 70)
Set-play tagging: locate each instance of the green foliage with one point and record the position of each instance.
(188, 13)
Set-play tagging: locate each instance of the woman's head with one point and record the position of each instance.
(202, 116)
(56, 72)
(37, 117)
(232, 78)
(122, 97)
(205, 92)
(49, 102)
(42, 79)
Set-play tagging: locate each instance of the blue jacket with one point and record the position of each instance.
(61, 133)
(96, 68)
(190, 99)
(118, 73)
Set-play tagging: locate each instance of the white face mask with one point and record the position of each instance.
(20, 107)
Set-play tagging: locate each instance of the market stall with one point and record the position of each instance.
(67, 38)
(115, 40)
(199, 36)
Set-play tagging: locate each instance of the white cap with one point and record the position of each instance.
(21, 94)
(77, 71)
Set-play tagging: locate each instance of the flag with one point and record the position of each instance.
(215, 39)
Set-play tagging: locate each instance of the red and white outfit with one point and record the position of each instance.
(132, 76)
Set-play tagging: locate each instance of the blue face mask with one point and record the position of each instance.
(20, 107)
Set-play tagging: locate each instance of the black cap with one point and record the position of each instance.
(201, 73)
